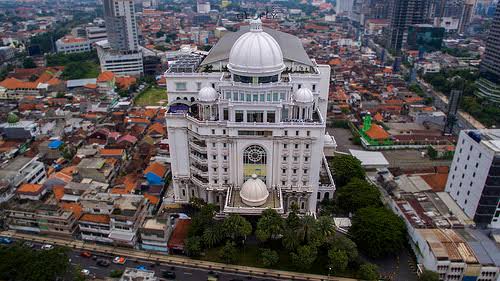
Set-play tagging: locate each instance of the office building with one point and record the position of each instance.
(120, 53)
(489, 83)
(247, 124)
(404, 13)
(344, 7)
(473, 181)
(70, 45)
(467, 11)
(203, 6)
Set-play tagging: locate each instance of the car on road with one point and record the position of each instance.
(119, 260)
(167, 274)
(85, 272)
(86, 254)
(47, 247)
(212, 276)
(103, 262)
(28, 244)
(5, 240)
(141, 267)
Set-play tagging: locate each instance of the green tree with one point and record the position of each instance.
(345, 168)
(357, 194)
(325, 226)
(202, 219)
(213, 235)
(368, 272)
(269, 257)
(21, 263)
(236, 226)
(228, 253)
(378, 232)
(307, 231)
(116, 273)
(269, 226)
(29, 63)
(338, 260)
(345, 244)
(305, 257)
(428, 275)
(77, 274)
(193, 246)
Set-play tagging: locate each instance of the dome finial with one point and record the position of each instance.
(256, 25)
(254, 176)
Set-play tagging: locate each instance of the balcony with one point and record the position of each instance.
(196, 170)
(199, 181)
(196, 146)
(198, 159)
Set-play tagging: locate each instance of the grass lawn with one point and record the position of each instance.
(151, 96)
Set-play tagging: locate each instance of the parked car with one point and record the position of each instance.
(168, 274)
(119, 260)
(47, 247)
(86, 254)
(103, 262)
(141, 267)
(85, 272)
(28, 244)
(5, 240)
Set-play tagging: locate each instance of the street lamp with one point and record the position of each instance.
(329, 269)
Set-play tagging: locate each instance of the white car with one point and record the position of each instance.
(47, 247)
(85, 272)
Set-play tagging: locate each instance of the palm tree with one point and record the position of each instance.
(325, 226)
(212, 235)
(290, 239)
(269, 226)
(236, 226)
(307, 229)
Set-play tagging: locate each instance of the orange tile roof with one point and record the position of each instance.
(65, 174)
(376, 132)
(76, 208)
(413, 99)
(105, 76)
(108, 152)
(90, 86)
(30, 188)
(14, 84)
(129, 184)
(97, 218)
(156, 168)
(72, 39)
(125, 82)
(378, 117)
(436, 181)
(58, 191)
(153, 199)
(157, 128)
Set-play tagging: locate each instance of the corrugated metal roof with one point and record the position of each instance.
(291, 46)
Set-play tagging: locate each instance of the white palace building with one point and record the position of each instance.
(246, 124)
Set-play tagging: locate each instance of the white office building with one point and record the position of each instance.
(474, 179)
(70, 45)
(246, 124)
(119, 62)
(203, 6)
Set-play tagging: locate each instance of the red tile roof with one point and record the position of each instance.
(105, 76)
(376, 132)
(97, 218)
(156, 168)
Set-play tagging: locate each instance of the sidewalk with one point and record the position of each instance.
(173, 260)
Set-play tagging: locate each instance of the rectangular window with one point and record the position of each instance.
(255, 97)
(235, 96)
(255, 116)
(249, 97)
(262, 97)
(286, 133)
(180, 86)
(238, 116)
(268, 96)
(275, 96)
(242, 96)
(198, 86)
(228, 95)
(271, 117)
(314, 87)
(226, 114)
(282, 96)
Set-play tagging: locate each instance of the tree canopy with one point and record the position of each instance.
(368, 272)
(357, 194)
(345, 168)
(21, 263)
(269, 226)
(378, 232)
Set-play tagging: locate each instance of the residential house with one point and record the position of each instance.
(155, 233)
(99, 169)
(31, 191)
(127, 216)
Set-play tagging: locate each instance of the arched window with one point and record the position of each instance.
(254, 162)
(327, 195)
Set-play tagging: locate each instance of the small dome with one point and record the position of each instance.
(254, 192)
(256, 53)
(303, 95)
(208, 94)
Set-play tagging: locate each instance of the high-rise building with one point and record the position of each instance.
(473, 181)
(121, 25)
(246, 124)
(120, 53)
(489, 83)
(467, 11)
(344, 7)
(404, 13)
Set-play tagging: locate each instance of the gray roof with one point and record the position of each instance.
(291, 46)
(80, 82)
(485, 249)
